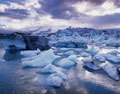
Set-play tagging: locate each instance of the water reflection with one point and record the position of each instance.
(14, 79)
(11, 55)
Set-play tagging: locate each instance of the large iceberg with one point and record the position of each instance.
(43, 59)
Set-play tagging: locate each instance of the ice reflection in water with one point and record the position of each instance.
(14, 79)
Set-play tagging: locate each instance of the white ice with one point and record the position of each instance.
(43, 59)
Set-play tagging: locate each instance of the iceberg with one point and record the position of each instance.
(49, 69)
(99, 58)
(54, 80)
(29, 53)
(68, 53)
(115, 53)
(13, 41)
(92, 51)
(113, 59)
(65, 63)
(84, 54)
(90, 64)
(111, 70)
(56, 76)
(73, 58)
(43, 59)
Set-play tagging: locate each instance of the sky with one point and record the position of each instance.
(33, 14)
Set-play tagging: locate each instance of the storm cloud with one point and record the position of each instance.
(91, 13)
(15, 13)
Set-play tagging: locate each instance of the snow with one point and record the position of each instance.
(111, 70)
(43, 59)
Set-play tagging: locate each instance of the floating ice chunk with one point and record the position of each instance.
(43, 59)
(111, 70)
(30, 53)
(113, 43)
(84, 54)
(113, 59)
(73, 58)
(68, 53)
(90, 64)
(49, 69)
(115, 53)
(54, 80)
(65, 63)
(93, 51)
(99, 58)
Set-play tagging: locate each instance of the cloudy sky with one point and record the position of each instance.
(31, 14)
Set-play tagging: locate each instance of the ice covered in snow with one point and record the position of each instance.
(111, 70)
(43, 59)
(30, 53)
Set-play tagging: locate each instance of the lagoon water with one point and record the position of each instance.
(14, 79)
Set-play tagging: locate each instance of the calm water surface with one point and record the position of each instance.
(14, 79)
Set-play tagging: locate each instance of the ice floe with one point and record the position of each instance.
(43, 59)
(111, 70)
(30, 53)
